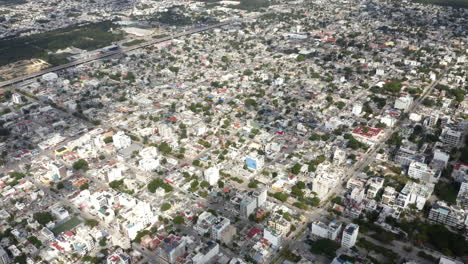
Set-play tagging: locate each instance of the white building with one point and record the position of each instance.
(421, 171)
(16, 98)
(388, 120)
(121, 140)
(166, 131)
(205, 253)
(260, 196)
(211, 175)
(218, 228)
(171, 248)
(248, 206)
(148, 164)
(4, 258)
(357, 109)
(451, 137)
(403, 103)
(414, 193)
(326, 230)
(339, 156)
(350, 234)
(59, 212)
(273, 236)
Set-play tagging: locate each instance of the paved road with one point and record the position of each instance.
(112, 53)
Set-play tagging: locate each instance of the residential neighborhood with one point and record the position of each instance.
(231, 132)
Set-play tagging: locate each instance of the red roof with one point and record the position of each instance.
(371, 132)
(253, 232)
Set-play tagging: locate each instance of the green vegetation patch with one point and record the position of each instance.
(133, 42)
(88, 37)
(67, 226)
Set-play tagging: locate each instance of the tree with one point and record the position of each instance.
(165, 207)
(340, 105)
(60, 185)
(296, 169)
(220, 184)
(81, 164)
(43, 217)
(91, 223)
(108, 140)
(253, 185)
(196, 163)
(325, 247)
(204, 184)
(164, 148)
(36, 242)
(301, 185)
(84, 186)
(392, 87)
(178, 220)
(103, 242)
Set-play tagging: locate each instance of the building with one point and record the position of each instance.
(339, 156)
(148, 164)
(421, 171)
(166, 131)
(278, 223)
(375, 184)
(328, 230)
(443, 214)
(211, 175)
(432, 120)
(414, 193)
(121, 140)
(118, 257)
(447, 260)
(260, 196)
(16, 98)
(407, 153)
(350, 234)
(403, 103)
(254, 161)
(247, 206)
(440, 160)
(368, 135)
(4, 258)
(462, 197)
(273, 236)
(460, 172)
(451, 137)
(59, 212)
(219, 226)
(389, 195)
(205, 253)
(357, 109)
(171, 248)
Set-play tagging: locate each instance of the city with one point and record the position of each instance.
(263, 131)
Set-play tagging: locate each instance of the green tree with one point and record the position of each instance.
(164, 148)
(296, 169)
(80, 164)
(43, 217)
(84, 186)
(165, 207)
(178, 220)
(91, 223)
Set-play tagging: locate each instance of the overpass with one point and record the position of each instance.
(111, 53)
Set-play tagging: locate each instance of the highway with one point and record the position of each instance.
(112, 53)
